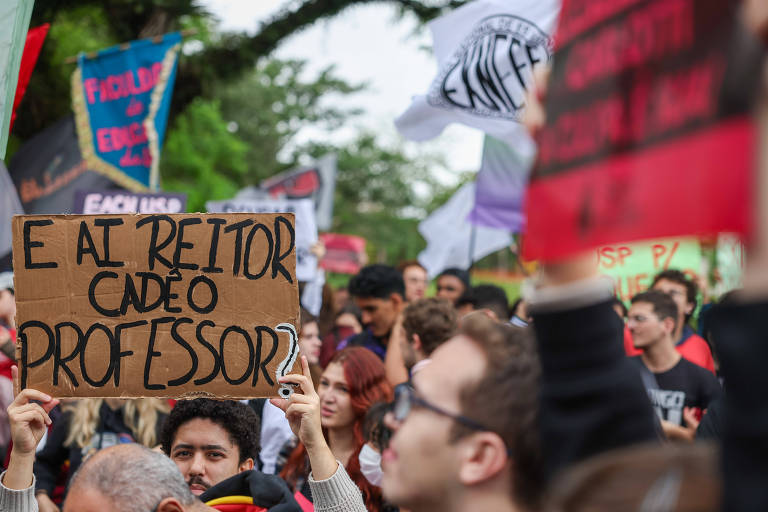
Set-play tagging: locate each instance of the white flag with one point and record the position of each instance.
(449, 235)
(486, 51)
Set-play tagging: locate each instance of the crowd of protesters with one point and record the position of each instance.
(565, 400)
(457, 401)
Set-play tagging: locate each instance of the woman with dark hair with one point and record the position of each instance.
(348, 322)
(352, 382)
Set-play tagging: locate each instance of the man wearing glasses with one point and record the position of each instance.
(678, 389)
(464, 435)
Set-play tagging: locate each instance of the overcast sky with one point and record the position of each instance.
(366, 43)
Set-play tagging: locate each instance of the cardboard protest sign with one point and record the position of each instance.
(97, 202)
(633, 266)
(306, 228)
(637, 143)
(156, 305)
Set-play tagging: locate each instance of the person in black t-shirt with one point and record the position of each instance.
(679, 390)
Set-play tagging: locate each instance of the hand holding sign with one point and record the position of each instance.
(29, 421)
(303, 413)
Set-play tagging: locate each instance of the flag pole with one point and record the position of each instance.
(472, 237)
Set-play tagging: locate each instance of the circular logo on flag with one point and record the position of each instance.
(489, 73)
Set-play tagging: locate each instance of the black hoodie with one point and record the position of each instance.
(268, 491)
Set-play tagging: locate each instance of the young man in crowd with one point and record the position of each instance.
(415, 278)
(679, 390)
(465, 433)
(489, 298)
(214, 444)
(427, 324)
(210, 440)
(492, 300)
(379, 292)
(684, 291)
(452, 283)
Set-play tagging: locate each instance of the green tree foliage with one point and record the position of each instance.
(224, 58)
(236, 113)
(201, 157)
(381, 194)
(270, 105)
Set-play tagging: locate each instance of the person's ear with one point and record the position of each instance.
(416, 342)
(490, 314)
(669, 324)
(397, 300)
(246, 465)
(689, 308)
(483, 457)
(170, 505)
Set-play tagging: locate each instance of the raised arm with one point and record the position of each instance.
(28, 420)
(332, 488)
(593, 399)
(741, 326)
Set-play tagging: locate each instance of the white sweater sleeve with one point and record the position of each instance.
(17, 501)
(336, 494)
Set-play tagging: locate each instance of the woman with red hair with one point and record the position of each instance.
(353, 381)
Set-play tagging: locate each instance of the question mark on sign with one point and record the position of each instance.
(286, 365)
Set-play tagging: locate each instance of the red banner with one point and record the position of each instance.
(35, 39)
(637, 144)
(344, 254)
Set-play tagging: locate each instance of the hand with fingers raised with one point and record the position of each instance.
(29, 421)
(302, 410)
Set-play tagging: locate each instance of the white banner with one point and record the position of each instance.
(449, 235)
(306, 228)
(486, 51)
(316, 182)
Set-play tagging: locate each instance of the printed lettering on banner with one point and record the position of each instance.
(634, 265)
(640, 140)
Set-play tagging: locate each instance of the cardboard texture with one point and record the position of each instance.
(177, 306)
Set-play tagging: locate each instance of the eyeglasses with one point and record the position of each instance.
(406, 398)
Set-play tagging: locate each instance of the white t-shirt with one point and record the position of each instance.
(275, 432)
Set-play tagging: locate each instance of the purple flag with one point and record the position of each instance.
(500, 187)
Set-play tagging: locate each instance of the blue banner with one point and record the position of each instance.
(121, 98)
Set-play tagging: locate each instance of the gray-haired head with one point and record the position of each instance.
(133, 478)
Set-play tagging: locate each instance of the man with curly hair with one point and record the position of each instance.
(214, 444)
